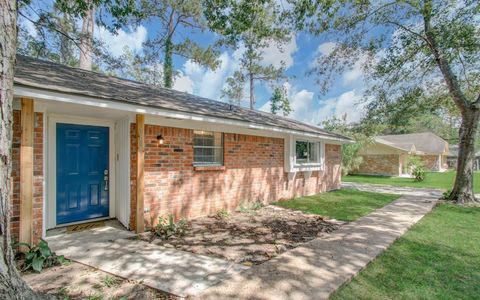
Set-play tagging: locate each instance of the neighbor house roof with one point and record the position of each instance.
(453, 151)
(424, 143)
(44, 75)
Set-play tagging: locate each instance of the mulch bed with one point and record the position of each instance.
(249, 237)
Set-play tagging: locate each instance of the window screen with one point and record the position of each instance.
(207, 148)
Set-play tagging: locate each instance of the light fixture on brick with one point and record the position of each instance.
(160, 139)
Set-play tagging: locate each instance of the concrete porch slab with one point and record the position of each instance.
(120, 253)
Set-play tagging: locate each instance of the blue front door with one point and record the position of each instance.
(82, 172)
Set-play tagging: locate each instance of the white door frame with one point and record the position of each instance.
(122, 159)
(51, 201)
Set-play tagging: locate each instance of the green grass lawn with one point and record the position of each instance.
(438, 258)
(433, 180)
(344, 204)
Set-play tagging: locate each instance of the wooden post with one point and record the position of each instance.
(26, 172)
(140, 222)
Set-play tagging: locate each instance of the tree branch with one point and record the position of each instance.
(408, 30)
(52, 26)
(450, 78)
(476, 104)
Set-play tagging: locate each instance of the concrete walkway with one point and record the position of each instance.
(118, 252)
(316, 269)
(382, 188)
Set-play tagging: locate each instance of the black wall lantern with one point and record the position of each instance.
(160, 139)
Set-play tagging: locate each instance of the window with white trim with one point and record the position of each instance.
(307, 152)
(207, 148)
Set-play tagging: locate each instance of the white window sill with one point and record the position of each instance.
(308, 167)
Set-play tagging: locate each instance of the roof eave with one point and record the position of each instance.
(22, 90)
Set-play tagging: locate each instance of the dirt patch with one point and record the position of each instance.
(77, 281)
(249, 237)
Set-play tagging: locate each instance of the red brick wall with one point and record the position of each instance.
(254, 170)
(38, 176)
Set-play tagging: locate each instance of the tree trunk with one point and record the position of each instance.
(252, 94)
(168, 63)
(462, 192)
(86, 40)
(11, 284)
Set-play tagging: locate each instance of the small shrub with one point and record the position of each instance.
(167, 228)
(446, 194)
(41, 256)
(223, 214)
(417, 168)
(419, 174)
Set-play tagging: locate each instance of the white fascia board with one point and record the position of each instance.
(22, 91)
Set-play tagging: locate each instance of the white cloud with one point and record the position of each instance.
(115, 43)
(275, 55)
(205, 82)
(323, 49)
(183, 83)
(326, 48)
(307, 109)
(355, 73)
(208, 83)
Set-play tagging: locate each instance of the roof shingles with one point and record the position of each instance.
(425, 142)
(50, 76)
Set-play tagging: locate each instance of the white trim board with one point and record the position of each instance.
(51, 164)
(21, 91)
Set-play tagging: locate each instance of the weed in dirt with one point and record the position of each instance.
(110, 281)
(222, 214)
(250, 207)
(95, 297)
(62, 293)
(167, 228)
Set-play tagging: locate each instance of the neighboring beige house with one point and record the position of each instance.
(453, 158)
(389, 154)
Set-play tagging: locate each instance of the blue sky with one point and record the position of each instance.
(308, 104)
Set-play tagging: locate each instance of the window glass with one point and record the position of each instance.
(207, 148)
(301, 151)
(306, 152)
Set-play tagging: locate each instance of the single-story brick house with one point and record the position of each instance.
(389, 154)
(88, 147)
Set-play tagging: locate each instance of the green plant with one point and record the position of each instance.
(41, 256)
(167, 228)
(62, 293)
(222, 214)
(418, 170)
(250, 207)
(446, 194)
(110, 281)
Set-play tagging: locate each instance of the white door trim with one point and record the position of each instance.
(122, 160)
(53, 119)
